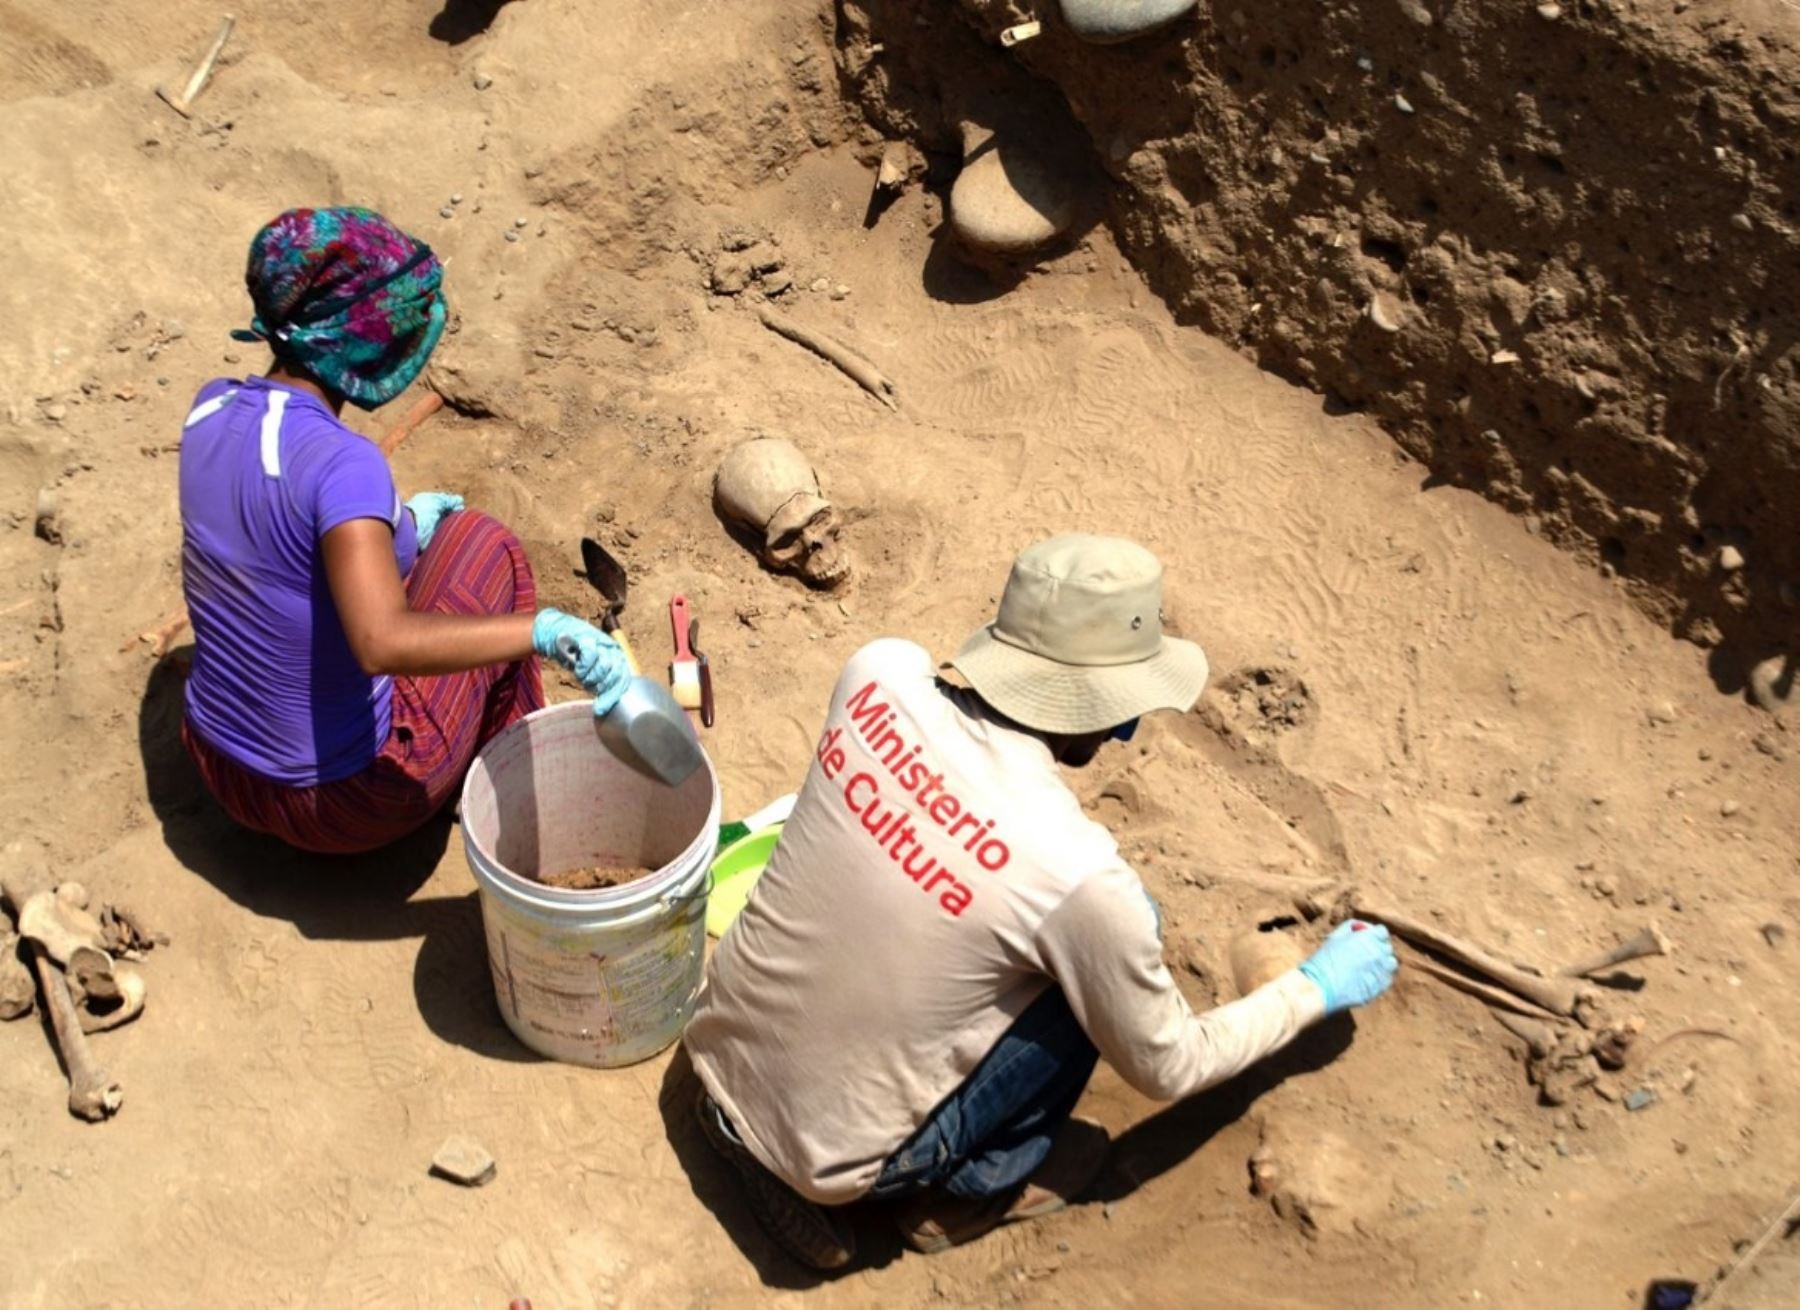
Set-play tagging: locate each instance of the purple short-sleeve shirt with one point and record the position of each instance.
(266, 472)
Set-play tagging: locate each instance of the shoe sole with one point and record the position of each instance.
(758, 1180)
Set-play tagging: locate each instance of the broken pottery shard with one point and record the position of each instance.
(1106, 21)
(1008, 199)
(464, 1160)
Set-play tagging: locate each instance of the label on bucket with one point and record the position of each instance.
(596, 997)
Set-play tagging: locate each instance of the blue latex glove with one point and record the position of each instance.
(1354, 966)
(593, 657)
(428, 508)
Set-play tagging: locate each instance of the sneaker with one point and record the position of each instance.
(937, 1220)
(808, 1232)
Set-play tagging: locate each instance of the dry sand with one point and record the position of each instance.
(1425, 697)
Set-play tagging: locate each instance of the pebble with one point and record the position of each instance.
(521, 222)
(456, 197)
(1549, 13)
(1402, 103)
(464, 1160)
(840, 292)
(1775, 683)
(1731, 559)
(1729, 808)
(1773, 933)
(1662, 712)
(483, 81)
(512, 234)
(821, 284)
(1742, 223)
(56, 413)
(446, 212)
(1105, 22)
(1640, 1098)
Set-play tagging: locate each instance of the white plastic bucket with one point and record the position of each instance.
(604, 977)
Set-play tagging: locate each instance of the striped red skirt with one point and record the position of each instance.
(474, 566)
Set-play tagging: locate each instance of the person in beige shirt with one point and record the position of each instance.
(943, 944)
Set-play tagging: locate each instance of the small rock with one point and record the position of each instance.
(1662, 712)
(1731, 559)
(1640, 1098)
(47, 526)
(1729, 808)
(1775, 683)
(1365, 63)
(820, 284)
(1011, 197)
(1773, 933)
(446, 212)
(1107, 22)
(840, 292)
(1402, 103)
(1742, 223)
(56, 413)
(521, 222)
(483, 81)
(1550, 12)
(464, 1160)
(775, 283)
(456, 197)
(512, 234)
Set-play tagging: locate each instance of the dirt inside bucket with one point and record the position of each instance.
(591, 877)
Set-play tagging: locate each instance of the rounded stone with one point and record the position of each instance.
(1008, 200)
(1107, 21)
(1775, 683)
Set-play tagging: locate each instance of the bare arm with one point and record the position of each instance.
(386, 636)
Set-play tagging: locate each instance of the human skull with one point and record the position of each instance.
(768, 487)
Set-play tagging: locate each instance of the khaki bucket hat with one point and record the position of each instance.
(1078, 645)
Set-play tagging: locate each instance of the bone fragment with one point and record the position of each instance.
(92, 1094)
(1538, 1035)
(183, 103)
(1650, 941)
(852, 365)
(1494, 996)
(91, 976)
(422, 408)
(1558, 995)
(18, 993)
(59, 927)
(132, 993)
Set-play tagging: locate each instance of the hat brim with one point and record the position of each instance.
(1051, 696)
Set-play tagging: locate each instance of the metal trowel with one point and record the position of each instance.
(647, 729)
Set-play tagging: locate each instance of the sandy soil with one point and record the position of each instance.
(1411, 691)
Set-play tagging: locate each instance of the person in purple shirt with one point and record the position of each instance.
(351, 652)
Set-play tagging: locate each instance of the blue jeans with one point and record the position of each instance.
(992, 1133)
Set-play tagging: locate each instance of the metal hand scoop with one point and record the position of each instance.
(647, 729)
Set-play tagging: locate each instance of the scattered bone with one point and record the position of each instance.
(124, 934)
(1315, 1179)
(18, 993)
(92, 1094)
(890, 174)
(1650, 941)
(1558, 995)
(1261, 956)
(128, 1003)
(847, 361)
(1539, 1037)
(422, 408)
(1010, 198)
(464, 1160)
(182, 102)
(768, 487)
(1497, 997)
(59, 927)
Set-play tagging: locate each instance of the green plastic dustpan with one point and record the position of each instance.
(734, 873)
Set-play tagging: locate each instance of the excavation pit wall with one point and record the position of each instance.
(1552, 249)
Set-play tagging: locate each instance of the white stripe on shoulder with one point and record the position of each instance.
(271, 433)
(397, 509)
(207, 408)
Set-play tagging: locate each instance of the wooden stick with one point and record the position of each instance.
(183, 104)
(852, 365)
(422, 408)
(92, 1095)
(1648, 942)
(1557, 995)
(1788, 1216)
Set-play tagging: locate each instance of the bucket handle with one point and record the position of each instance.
(671, 901)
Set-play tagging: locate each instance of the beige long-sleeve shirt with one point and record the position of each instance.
(935, 877)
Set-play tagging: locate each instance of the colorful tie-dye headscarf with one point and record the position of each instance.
(345, 295)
